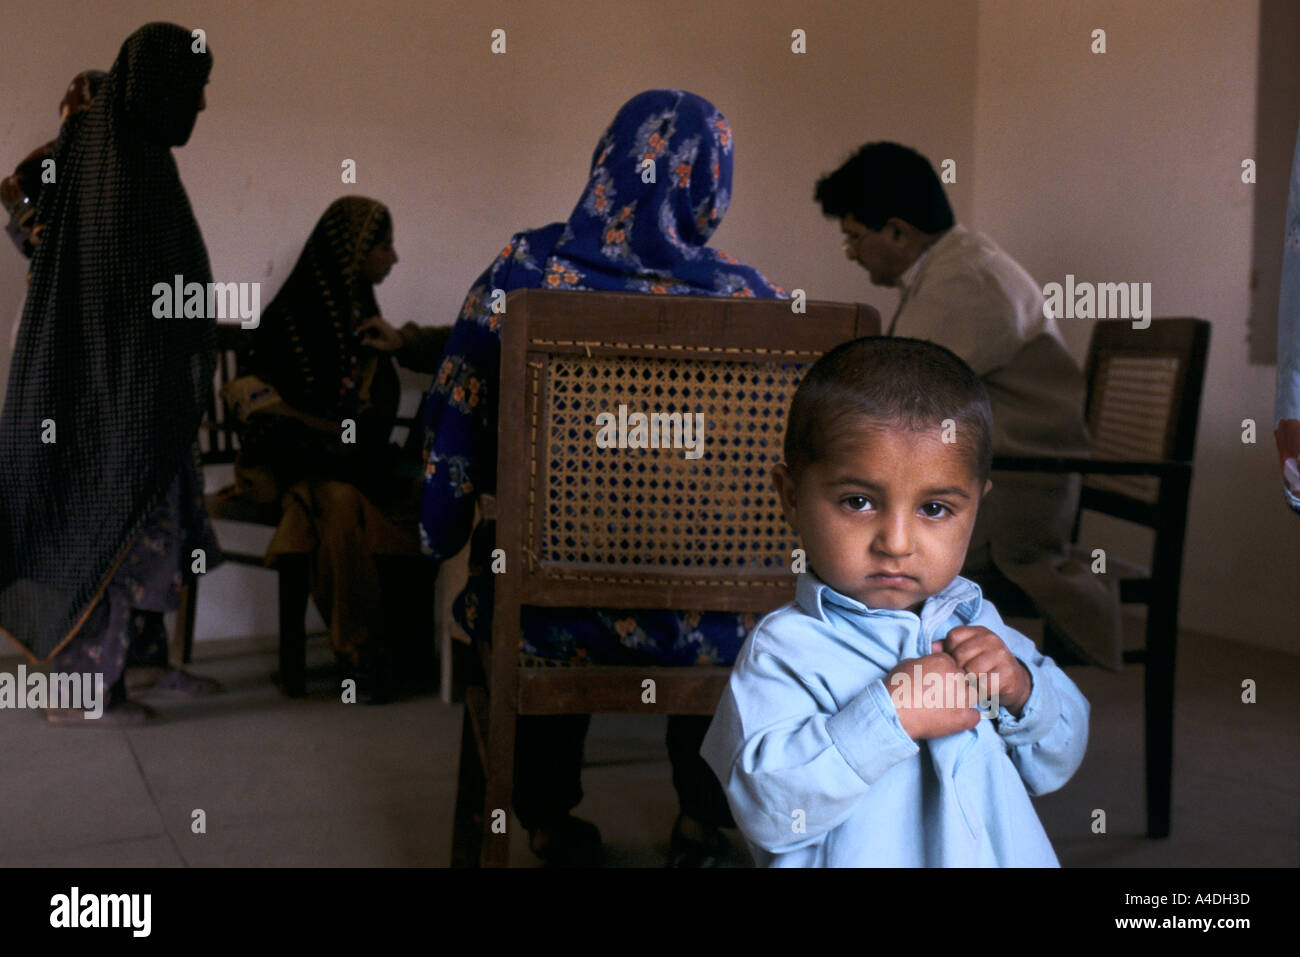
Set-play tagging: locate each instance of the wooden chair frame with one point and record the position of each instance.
(1185, 340)
(540, 325)
(219, 445)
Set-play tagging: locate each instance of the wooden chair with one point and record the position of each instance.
(583, 526)
(1144, 394)
(219, 445)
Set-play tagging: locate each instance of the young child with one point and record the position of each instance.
(829, 752)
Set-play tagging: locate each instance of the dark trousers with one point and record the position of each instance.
(548, 768)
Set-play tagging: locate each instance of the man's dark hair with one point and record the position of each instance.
(884, 180)
(898, 382)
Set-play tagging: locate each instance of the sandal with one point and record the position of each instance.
(125, 715)
(180, 684)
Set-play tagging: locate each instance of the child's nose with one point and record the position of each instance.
(895, 535)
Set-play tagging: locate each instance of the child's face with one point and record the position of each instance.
(886, 516)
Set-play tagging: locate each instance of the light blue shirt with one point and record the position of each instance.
(820, 773)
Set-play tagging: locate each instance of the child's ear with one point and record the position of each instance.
(784, 484)
(988, 485)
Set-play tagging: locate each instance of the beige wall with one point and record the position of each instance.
(1122, 166)
(467, 147)
(1127, 167)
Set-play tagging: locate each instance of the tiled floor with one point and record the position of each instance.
(318, 782)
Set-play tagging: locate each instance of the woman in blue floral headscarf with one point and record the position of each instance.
(630, 232)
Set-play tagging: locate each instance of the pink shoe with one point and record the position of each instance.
(181, 684)
(125, 715)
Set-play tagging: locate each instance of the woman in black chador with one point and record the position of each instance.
(101, 496)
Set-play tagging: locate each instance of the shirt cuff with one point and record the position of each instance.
(1037, 716)
(421, 346)
(869, 735)
(409, 334)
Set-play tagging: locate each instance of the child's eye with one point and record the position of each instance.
(935, 509)
(856, 503)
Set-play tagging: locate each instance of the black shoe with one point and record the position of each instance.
(377, 686)
(688, 852)
(573, 843)
(377, 678)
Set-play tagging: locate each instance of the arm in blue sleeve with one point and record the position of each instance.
(460, 423)
(1047, 742)
(779, 745)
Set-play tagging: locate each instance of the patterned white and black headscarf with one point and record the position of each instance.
(306, 345)
(123, 392)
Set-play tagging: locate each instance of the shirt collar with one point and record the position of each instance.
(907, 281)
(960, 595)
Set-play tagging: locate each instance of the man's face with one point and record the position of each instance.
(886, 516)
(875, 250)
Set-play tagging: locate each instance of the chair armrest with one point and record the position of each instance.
(1087, 466)
(402, 422)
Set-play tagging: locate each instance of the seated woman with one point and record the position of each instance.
(625, 235)
(318, 408)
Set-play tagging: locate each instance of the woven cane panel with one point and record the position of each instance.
(656, 509)
(1135, 398)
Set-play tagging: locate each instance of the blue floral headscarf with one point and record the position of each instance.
(660, 184)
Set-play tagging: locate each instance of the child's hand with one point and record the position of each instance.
(979, 651)
(933, 722)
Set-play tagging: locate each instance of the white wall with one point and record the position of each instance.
(467, 147)
(1122, 166)
(1126, 166)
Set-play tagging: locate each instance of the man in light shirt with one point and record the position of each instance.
(960, 290)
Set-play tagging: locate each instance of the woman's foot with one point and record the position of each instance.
(378, 687)
(374, 681)
(569, 842)
(696, 844)
(170, 681)
(124, 715)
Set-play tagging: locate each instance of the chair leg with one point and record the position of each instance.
(295, 589)
(1162, 644)
(444, 663)
(464, 662)
(1162, 637)
(467, 822)
(500, 774)
(182, 644)
(495, 830)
